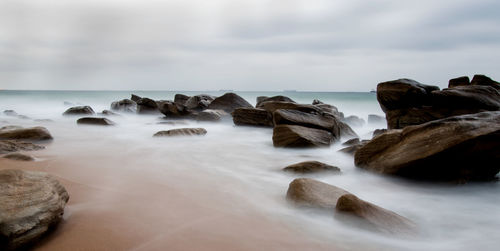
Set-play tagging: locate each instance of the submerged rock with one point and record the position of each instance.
(109, 113)
(376, 119)
(455, 148)
(311, 167)
(252, 117)
(351, 142)
(124, 105)
(228, 102)
(354, 121)
(300, 136)
(181, 132)
(10, 113)
(79, 110)
(7, 146)
(19, 156)
(27, 134)
(94, 121)
(31, 203)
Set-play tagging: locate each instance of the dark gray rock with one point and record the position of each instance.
(311, 167)
(460, 81)
(211, 115)
(181, 99)
(252, 117)
(228, 102)
(79, 110)
(174, 110)
(300, 136)
(147, 106)
(27, 134)
(94, 121)
(134, 97)
(199, 102)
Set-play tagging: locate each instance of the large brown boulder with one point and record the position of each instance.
(31, 204)
(300, 136)
(173, 109)
(79, 110)
(311, 167)
(252, 117)
(211, 115)
(181, 98)
(263, 99)
(403, 93)
(27, 134)
(181, 132)
(147, 106)
(198, 102)
(124, 105)
(228, 102)
(94, 121)
(7, 146)
(456, 148)
(312, 193)
(460, 81)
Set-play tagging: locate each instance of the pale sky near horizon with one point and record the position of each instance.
(309, 45)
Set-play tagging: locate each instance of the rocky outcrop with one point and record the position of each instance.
(31, 204)
(95, 121)
(280, 98)
(311, 167)
(181, 132)
(228, 102)
(173, 110)
(7, 146)
(27, 134)
(79, 110)
(377, 132)
(19, 156)
(134, 97)
(181, 99)
(198, 102)
(460, 81)
(407, 102)
(147, 106)
(252, 117)
(300, 136)
(211, 115)
(109, 113)
(455, 148)
(124, 105)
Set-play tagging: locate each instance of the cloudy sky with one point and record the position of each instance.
(315, 45)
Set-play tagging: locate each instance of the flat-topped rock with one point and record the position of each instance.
(307, 167)
(281, 98)
(300, 136)
(31, 203)
(79, 110)
(403, 93)
(181, 132)
(27, 134)
(94, 121)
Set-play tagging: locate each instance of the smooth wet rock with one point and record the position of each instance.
(27, 134)
(95, 121)
(456, 148)
(79, 110)
(31, 204)
(252, 117)
(7, 146)
(124, 105)
(280, 98)
(460, 81)
(181, 132)
(147, 106)
(311, 167)
(181, 98)
(312, 193)
(228, 102)
(174, 110)
(403, 93)
(19, 156)
(299, 136)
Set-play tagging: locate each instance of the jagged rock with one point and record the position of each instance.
(79, 110)
(485, 81)
(27, 134)
(311, 167)
(300, 136)
(134, 98)
(228, 102)
(460, 81)
(19, 156)
(455, 148)
(181, 132)
(124, 105)
(280, 98)
(199, 102)
(7, 146)
(95, 121)
(174, 110)
(147, 106)
(351, 142)
(31, 203)
(211, 115)
(181, 99)
(252, 117)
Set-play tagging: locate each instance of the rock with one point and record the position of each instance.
(378, 132)
(31, 204)
(10, 113)
(312, 193)
(354, 121)
(460, 81)
(228, 102)
(134, 98)
(94, 121)
(376, 119)
(181, 98)
(109, 113)
(377, 217)
(311, 167)
(472, 99)
(147, 106)
(299, 136)
(211, 115)
(484, 81)
(403, 93)
(124, 105)
(181, 132)
(7, 146)
(174, 110)
(455, 148)
(252, 117)
(261, 100)
(79, 110)
(317, 102)
(350, 149)
(351, 142)
(198, 102)
(27, 134)
(19, 156)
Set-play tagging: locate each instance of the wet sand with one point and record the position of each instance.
(114, 208)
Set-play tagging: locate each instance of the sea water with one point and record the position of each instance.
(241, 162)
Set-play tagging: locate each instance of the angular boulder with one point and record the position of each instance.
(31, 204)
(403, 93)
(211, 115)
(311, 167)
(27, 134)
(460, 81)
(198, 102)
(228, 102)
(173, 109)
(252, 117)
(485, 81)
(94, 121)
(134, 97)
(79, 110)
(147, 106)
(456, 148)
(181, 132)
(181, 98)
(300, 136)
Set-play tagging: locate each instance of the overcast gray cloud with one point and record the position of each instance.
(323, 45)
